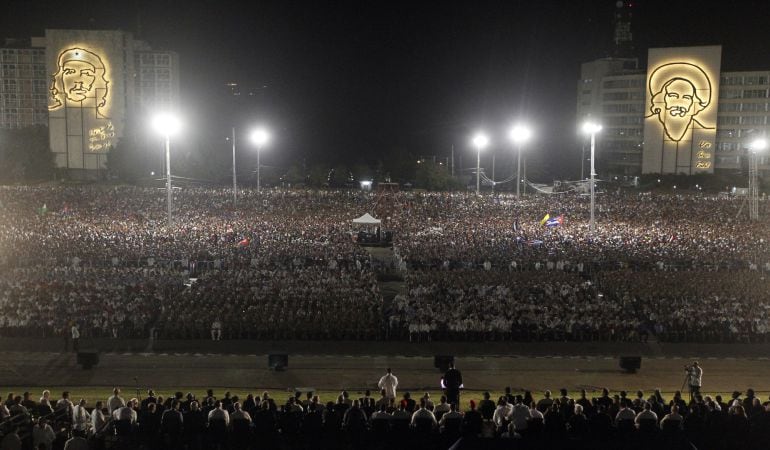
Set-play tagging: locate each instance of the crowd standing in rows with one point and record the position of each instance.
(285, 265)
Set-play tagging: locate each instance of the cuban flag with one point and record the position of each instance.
(555, 221)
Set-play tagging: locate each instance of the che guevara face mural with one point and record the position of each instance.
(80, 81)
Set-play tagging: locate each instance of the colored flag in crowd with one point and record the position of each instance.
(555, 222)
(42, 210)
(545, 219)
(244, 242)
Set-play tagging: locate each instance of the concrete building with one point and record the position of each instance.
(23, 86)
(85, 85)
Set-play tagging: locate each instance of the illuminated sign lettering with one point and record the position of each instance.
(100, 139)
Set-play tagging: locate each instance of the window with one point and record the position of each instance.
(615, 96)
(730, 93)
(753, 120)
(755, 93)
(727, 132)
(728, 120)
(754, 107)
(729, 107)
(615, 84)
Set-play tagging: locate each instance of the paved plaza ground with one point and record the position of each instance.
(356, 366)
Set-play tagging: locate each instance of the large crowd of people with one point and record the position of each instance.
(512, 420)
(285, 265)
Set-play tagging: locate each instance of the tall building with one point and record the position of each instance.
(23, 87)
(680, 115)
(85, 85)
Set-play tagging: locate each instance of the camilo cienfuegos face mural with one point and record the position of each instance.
(679, 91)
(681, 107)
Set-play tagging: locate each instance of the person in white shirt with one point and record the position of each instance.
(625, 413)
(239, 414)
(423, 414)
(389, 382)
(535, 413)
(216, 330)
(42, 434)
(442, 408)
(502, 413)
(76, 442)
(126, 413)
(219, 413)
(451, 414)
(646, 414)
(520, 415)
(98, 420)
(81, 419)
(115, 402)
(674, 416)
(75, 337)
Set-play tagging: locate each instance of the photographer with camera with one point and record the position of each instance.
(693, 378)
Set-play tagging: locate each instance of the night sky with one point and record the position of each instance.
(364, 80)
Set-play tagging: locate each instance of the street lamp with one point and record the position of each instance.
(259, 137)
(480, 140)
(757, 146)
(167, 124)
(519, 135)
(592, 128)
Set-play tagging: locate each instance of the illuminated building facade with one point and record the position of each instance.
(680, 115)
(85, 85)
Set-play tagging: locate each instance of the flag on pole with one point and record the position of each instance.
(555, 222)
(545, 219)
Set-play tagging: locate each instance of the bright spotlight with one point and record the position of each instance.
(260, 136)
(591, 127)
(759, 145)
(166, 124)
(480, 140)
(520, 133)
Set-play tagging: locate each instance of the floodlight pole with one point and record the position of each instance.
(592, 224)
(168, 181)
(259, 147)
(235, 186)
(478, 168)
(518, 174)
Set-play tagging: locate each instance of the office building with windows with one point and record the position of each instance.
(682, 114)
(84, 85)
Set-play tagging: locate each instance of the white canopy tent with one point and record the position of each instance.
(367, 219)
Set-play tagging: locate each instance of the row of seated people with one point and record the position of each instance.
(513, 420)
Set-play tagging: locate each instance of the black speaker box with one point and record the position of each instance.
(88, 358)
(442, 362)
(278, 361)
(631, 363)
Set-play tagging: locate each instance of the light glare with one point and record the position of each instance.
(166, 124)
(480, 140)
(260, 136)
(520, 133)
(591, 127)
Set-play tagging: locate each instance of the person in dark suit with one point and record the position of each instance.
(453, 382)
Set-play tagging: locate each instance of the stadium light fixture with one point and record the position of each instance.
(167, 124)
(480, 140)
(259, 137)
(592, 128)
(519, 135)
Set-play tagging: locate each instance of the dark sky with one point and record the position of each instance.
(365, 79)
